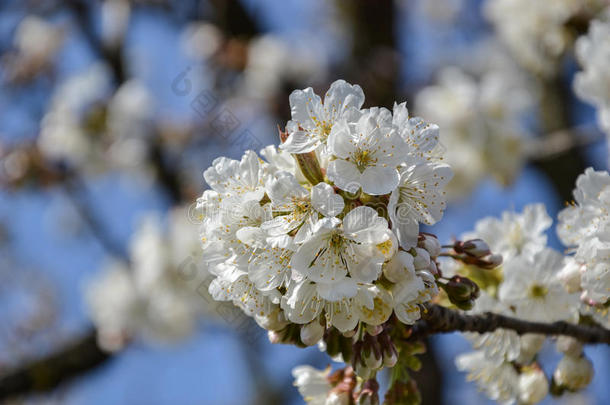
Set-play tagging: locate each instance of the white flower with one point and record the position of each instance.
(367, 153)
(502, 344)
(112, 304)
(480, 119)
(421, 137)
(499, 381)
(314, 387)
(280, 161)
(338, 249)
(274, 60)
(588, 217)
(531, 286)
(592, 84)
(296, 207)
(412, 289)
(585, 225)
(305, 301)
(419, 198)
(536, 32)
(150, 300)
(62, 135)
(515, 233)
(242, 179)
(312, 120)
(37, 40)
(533, 386)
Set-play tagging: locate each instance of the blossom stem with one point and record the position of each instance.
(439, 319)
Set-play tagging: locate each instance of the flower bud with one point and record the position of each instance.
(362, 371)
(310, 167)
(369, 393)
(533, 386)
(462, 292)
(490, 262)
(371, 354)
(422, 259)
(374, 330)
(573, 373)
(333, 342)
(274, 337)
(312, 332)
(349, 333)
(569, 346)
(474, 247)
(462, 288)
(431, 244)
(388, 351)
(399, 267)
(531, 344)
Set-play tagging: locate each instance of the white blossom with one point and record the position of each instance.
(313, 120)
(536, 31)
(314, 387)
(296, 207)
(585, 225)
(480, 121)
(531, 286)
(419, 198)
(337, 249)
(592, 84)
(514, 234)
(367, 152)
(499, 380)
(151, 298)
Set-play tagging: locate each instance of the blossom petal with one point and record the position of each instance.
(344, 174)
(379, 180)
(325, 201)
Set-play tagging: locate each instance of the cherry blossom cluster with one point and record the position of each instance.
(323, 234)
(537, 283)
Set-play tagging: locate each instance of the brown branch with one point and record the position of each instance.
(438, 319)
(45, 374)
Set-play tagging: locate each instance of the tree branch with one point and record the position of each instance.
(438, 319)
(45, 374)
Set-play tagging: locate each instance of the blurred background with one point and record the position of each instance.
(111, 110)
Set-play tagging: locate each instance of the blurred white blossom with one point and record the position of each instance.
(150, 297)
(480, 120)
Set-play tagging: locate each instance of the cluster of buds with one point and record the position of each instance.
(476, 252)
(373, 352)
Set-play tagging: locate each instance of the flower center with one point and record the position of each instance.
(385, 247)
(538, 291)
(363, 159)
(301, 206)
